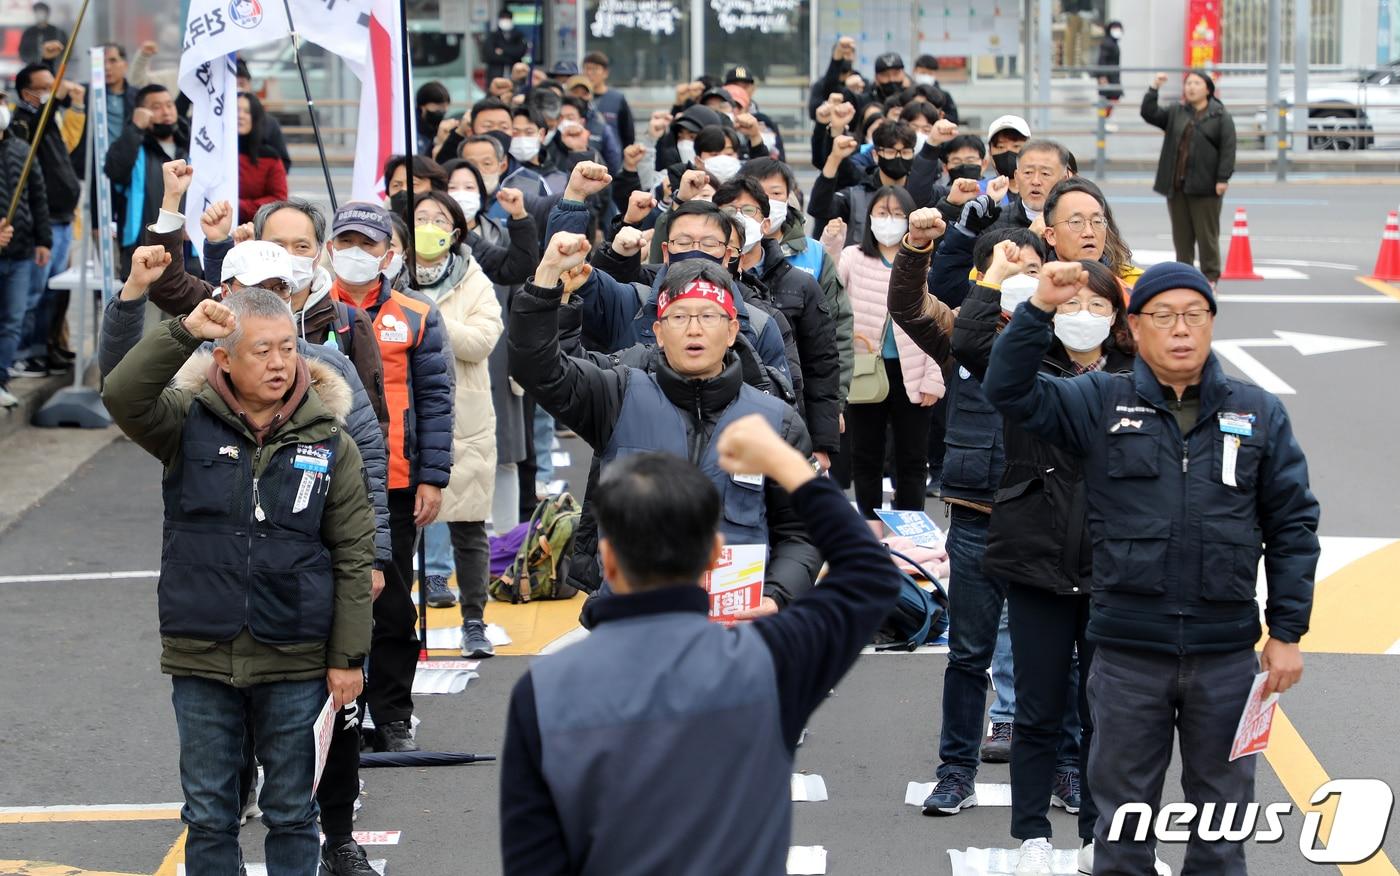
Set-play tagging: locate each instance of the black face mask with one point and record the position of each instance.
(965, 171)
(678, 257)
(886, 90)
(163, 130)
(1005, 163)
(431, 120)
(895, 168)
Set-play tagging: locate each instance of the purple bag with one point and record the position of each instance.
(505, 547)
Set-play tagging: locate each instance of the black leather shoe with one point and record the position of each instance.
(395, 736)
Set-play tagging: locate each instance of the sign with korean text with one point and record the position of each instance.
(914, 525)
(1252, 734)
(1202, 33)
(735, 584)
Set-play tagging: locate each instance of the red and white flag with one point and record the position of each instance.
(381, 131)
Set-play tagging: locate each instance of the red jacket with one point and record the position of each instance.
(261, 180)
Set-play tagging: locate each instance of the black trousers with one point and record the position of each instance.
(471, 552)
(1045, 630)
(340, 783)
(908, 424)
(393, 650)
(937, 429)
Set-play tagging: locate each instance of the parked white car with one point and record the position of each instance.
(1360, 113)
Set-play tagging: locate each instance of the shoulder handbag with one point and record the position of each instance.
(869, 382)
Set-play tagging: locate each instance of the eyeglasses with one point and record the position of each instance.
(1096, 306)
(894, 153)
(1076, 223)
(443, 222)
(711, 245)
(1165, 319)
(748, 210)
(708, 320)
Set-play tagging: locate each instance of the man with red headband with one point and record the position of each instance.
(689, 389)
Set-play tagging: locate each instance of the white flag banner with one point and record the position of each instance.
(341, 27)
(381, 130)
(214, 31)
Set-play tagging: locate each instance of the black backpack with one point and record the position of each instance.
(920, 616)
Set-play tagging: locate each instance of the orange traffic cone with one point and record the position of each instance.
(1388, 260)
(1239, 263)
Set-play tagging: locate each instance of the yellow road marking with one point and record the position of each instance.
(1301, 774)
(59, 815)
(1353, 608)
(173, 858)
(1380, 286)
(47, 868)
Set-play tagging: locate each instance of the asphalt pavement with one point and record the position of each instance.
(88, 721)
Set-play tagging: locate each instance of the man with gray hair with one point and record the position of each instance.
(268, 545)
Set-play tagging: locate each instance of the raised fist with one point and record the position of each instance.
(844, 147)
(660, 122)
(210, 320)
(943, 131)
(513, 202)
(692, 183)
(217, 221)
(1059, 282)
(925, 226)
(632, 156)
(962, 191)
(588, 178)
(574, 136)
(142, 118)
(147, 264)
(1159, 79)
(639, 204)
(628, 241)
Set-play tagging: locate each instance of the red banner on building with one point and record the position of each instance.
(1202, 33)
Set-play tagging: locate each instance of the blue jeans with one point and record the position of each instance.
(544, 445)
(438, 543)
(213, 719)
(14, 299)
(1003, 710)
(34, 339)
(975, 601)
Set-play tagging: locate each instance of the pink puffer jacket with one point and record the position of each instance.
(867, 282)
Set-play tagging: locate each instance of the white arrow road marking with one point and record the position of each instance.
(1306, 344)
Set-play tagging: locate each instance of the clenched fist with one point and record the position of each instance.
(512, 201)
(632, 157)
(176, 176)
(1159, 79)
(628, 241)
(564, 252)
(210, 320)
(692, 183)
(749, 446)
(1059, 282)
(925, 226)
(217, 221)
(147, 264)
(639, 205)
(962, 191)
(588, 178)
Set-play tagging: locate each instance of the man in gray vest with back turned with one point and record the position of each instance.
(659, 704)
(678, 401)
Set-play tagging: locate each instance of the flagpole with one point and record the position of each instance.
(410, 148)
(310, 104)
(44, 116)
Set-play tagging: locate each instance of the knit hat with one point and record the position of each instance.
(1166, 276)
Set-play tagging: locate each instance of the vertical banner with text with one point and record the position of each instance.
(101, 186)
(1202, 33)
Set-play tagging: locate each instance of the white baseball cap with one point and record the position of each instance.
(255, 261)
(1008, 123)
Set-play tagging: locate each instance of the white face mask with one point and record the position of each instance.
(1017, 289)
(925, 79)
(777, 212)
(4, 117)
(470, 202)
(354, 265)
(42, 97)
(524, 149)
(888, 230)
(395, 266)
(753, 232)
(507, 24)
(723, 167)
(770, 140)
(920, 138)
(1116, 33)
(1082, 332)
(303, 271)
(687, 150)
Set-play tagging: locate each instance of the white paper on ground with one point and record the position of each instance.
(465, 665)
(557, 487)
(803, 737)
(1002, 862)
(441, 681)
(808, 788)
(987, 794)
(321, 732)
(374, 837)
(806, 860)
(560, 458)
(450, 638)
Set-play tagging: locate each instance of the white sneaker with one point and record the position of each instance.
(1035, 858)
(1086, 863)
(8, 399)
